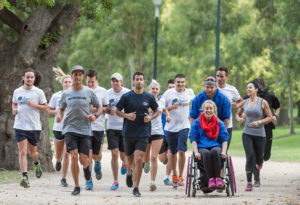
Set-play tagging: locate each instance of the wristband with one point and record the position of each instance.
(259, 122)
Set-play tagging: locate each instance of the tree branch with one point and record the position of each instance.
(10, 19)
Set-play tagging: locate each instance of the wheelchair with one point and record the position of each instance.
(196, 178)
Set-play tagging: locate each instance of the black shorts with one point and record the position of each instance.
(164, 146)
(115, 140)
(154, 137)
(135, 143)
(58, 136)
(78, 141)
(33, 136)
(96, 141)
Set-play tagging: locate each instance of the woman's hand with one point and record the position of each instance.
(255, 123)
(223, 155)
(198, 155)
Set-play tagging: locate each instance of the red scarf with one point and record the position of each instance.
(210, 128)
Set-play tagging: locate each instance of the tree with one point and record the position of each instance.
(32, 34)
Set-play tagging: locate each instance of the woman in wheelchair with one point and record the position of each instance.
(209, 138)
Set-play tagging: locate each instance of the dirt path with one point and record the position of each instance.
(280, 185)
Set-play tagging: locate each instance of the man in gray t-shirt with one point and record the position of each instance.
(76, 103)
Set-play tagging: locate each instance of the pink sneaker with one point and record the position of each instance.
(249, 187)
(211, 183)
(259, 166)
(219, 183)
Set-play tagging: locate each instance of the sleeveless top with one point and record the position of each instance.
(254, 114)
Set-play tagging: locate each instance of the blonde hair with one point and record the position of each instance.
(212, 103)
(60, 75)
(153, 82)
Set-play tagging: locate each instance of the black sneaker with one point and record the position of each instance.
(256, 184)
(63, 183)
(58, 166)
(136, 192)
(129, 180)
(76, 191)
(37, 169)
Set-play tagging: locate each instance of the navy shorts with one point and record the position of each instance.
(33, 136)
(177, 140)
(58, 136)
(78, 141)
(164, 146)
(135, 143)
(96, 141)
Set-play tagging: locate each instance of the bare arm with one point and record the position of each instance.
(14, 108)
(195, 149)
(224, 149)
(238, 103)
(129, 116)
(226, 122)
(173, 107)
(267, 119)
(239, 115)
(166, 112)
(41, 107)
(274, 118)
(52, 111)
(60, 115)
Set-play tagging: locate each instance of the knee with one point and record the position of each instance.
(23, 152)
(138, 160)
(153, 158)
(181, 153)
(114, 154)
(74, 157)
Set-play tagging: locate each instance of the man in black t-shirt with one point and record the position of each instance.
(136, 127)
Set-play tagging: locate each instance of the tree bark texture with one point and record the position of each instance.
(24, 53)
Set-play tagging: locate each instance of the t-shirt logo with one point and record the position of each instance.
(145, 104)
(22, 100)
(113, 102)
(174, 101)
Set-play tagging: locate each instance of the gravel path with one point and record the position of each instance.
(280, 185)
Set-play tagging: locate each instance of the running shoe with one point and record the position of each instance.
(211, 183)
(152, 186)
(63, 182)
(166, 161)
(89, 185)
(136, 192)
(167, 182)
(76, 191)
(256, 184)
(147, 167)
(97, 169)
(123, 169)
(219, 183)
(175, 181)
(129, 180)
(249, 187)
(37, 169)
(24, 182)
(58, 166)
(114, 186)
(180, 181)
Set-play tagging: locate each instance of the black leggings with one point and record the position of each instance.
(254, 149)
(269, 139)
(211, 161)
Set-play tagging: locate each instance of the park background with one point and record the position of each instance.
(258, 38)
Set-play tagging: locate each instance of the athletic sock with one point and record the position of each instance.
(167, 176)
(87, 173)
(25, 174)
(36, 163)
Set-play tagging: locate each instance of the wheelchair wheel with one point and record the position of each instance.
(233, 186)
(187, 175)
(190, 177)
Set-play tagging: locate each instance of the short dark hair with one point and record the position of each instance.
(92, 73)
(138, 73)
(180, 76)
(223, 68)
(37, 76)
(171, 81)
(28, 70)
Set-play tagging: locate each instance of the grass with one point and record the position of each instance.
(283, 149)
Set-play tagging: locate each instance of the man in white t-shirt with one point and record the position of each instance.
(230, 92)
(27, 103)
(114, 128)
(177, 102)
(97, 126)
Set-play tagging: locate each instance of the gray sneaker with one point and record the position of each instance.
(24, 182)
(256, 184)
(147, 167)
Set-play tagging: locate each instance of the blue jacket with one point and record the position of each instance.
(222, 102)
(203, 141)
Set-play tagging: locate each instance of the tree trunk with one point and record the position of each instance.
(139, 47)
(298, 115)
(28, 52)
(292, 129)
(283, 117)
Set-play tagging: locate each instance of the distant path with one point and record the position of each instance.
(280, 185)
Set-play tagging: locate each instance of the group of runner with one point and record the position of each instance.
(141, 126)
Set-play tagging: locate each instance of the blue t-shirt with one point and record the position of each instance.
(139, 103)
(203, 141)
(221, 101)
(163, 119)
